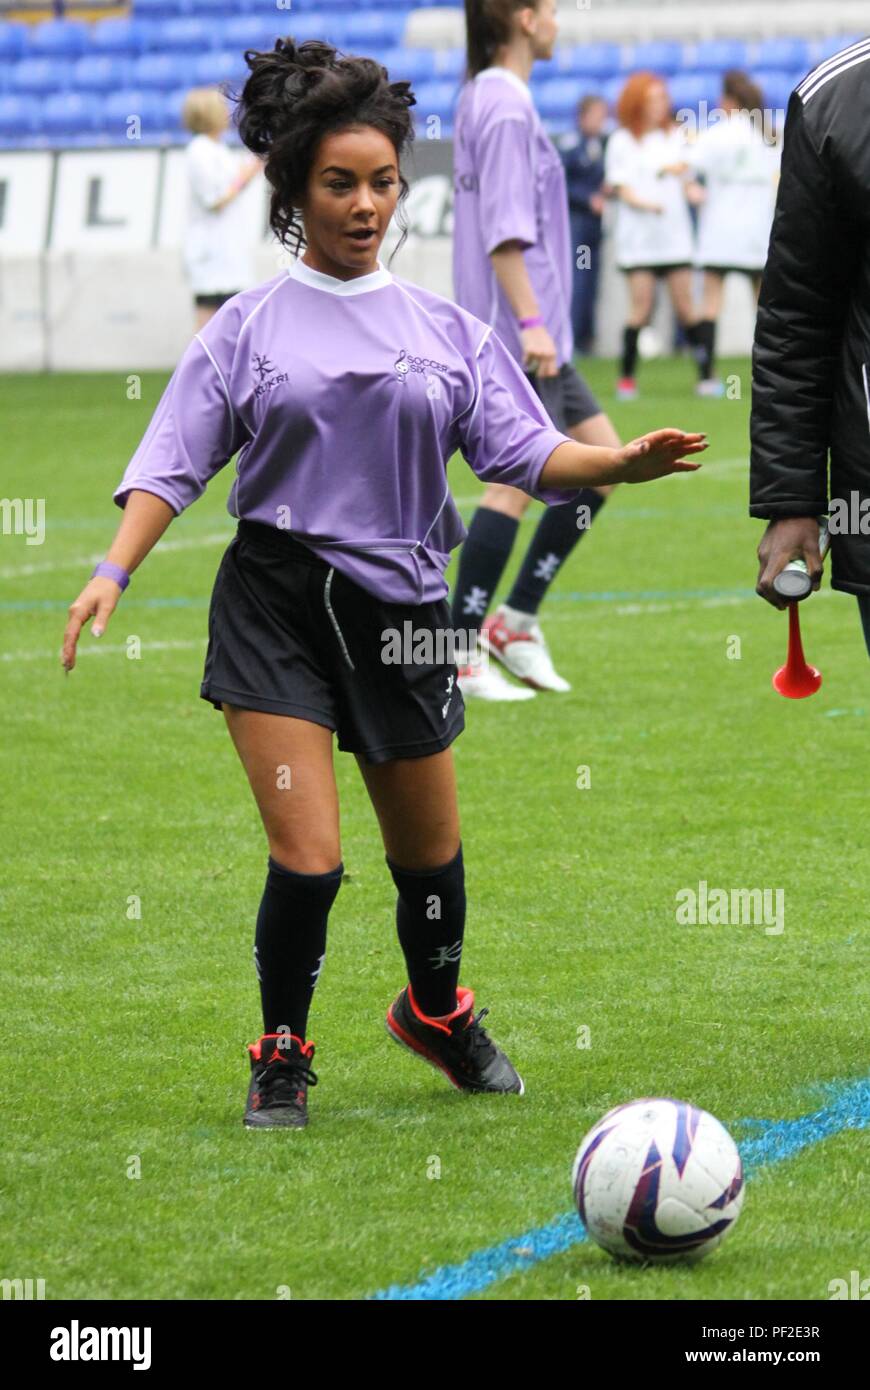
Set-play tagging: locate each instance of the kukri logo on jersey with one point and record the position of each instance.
(262, 370)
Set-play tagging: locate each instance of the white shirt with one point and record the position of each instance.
(217, 250)
(740, 172)
(650, 238)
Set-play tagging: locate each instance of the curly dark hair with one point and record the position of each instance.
(297, 94)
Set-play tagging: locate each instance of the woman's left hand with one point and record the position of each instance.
(658, 454)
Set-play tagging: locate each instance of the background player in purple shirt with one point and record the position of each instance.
(344, 391)
(513, 268)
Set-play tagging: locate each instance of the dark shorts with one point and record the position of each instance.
(732, 270)
(213, 301)
(657, 270)
(288, 634)
(566, 397)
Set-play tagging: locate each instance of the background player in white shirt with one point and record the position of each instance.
(740, 170)
(217, 252)
(646, 168)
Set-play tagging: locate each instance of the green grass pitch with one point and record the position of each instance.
(124, 1039)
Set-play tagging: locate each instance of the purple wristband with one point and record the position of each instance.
(106, 570)
(536, 322)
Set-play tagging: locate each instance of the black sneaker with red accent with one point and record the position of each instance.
(460, 1048)
(280, 1076)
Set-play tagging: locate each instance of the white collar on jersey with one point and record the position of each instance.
(498, 71)
(318, 280)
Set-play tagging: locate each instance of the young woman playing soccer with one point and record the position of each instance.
(344, 391)
(513, 267)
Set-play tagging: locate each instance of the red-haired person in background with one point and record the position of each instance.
(646, 168)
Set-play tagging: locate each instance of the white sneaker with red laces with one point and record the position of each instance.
(479, 679)
(516, 640)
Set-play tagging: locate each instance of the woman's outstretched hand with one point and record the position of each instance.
(658, 454)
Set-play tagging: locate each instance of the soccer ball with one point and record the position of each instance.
(656, 1181)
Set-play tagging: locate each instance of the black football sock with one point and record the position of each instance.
(556, 536)
(629, 351)
(430, 918)
(482, 560)
(700, 338)
(707, 332)
(290, 943)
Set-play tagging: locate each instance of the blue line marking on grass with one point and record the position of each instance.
(847, 1107)
(603, 596)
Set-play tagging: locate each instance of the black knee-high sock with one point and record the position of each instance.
(291, 942)
(430, 917)
(701, 336)
(629, 350)
(557, 533)
(485, 552)
(707, 332)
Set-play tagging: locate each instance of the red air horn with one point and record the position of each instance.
(797, 679)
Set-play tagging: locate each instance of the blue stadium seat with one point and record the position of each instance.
(39, 75)
(716, 55)
(119, 36)
(58, 38)
(449, 62)
(776, 87)
(188, 35)
(591, 60)
(216, 9)
(557, 96)
(101, 73)
(160, 70)
(436, 98)
(690, 89)
(17, 117)
(119, 106)
(255, 31)
(69, 113)
(661, 56)
(785, 54)
(409, 64)
(373, 26)
(224, 65)
(13, 40)
(826, 48)
(160, 9)
(611, 89)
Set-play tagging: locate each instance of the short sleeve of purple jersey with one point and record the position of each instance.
(506, 435)
(506, 193)
(193, 433)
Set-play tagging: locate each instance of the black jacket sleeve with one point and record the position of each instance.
(799, 332)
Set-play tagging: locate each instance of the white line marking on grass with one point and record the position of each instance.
(161, 548)
(98, 650)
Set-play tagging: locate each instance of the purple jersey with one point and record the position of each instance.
(344, 401)
(509, 185)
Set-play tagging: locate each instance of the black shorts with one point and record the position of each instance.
(657, 270)
(732, 270)
(289, 634)
(213, 301)
(565, 397)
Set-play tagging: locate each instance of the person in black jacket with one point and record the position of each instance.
(811, 358)
(582, 154)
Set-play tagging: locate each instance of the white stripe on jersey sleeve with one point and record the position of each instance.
(841, 62)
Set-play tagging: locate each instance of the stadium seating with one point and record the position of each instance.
(71, 81)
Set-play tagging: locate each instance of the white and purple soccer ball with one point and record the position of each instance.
(656, 1181)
